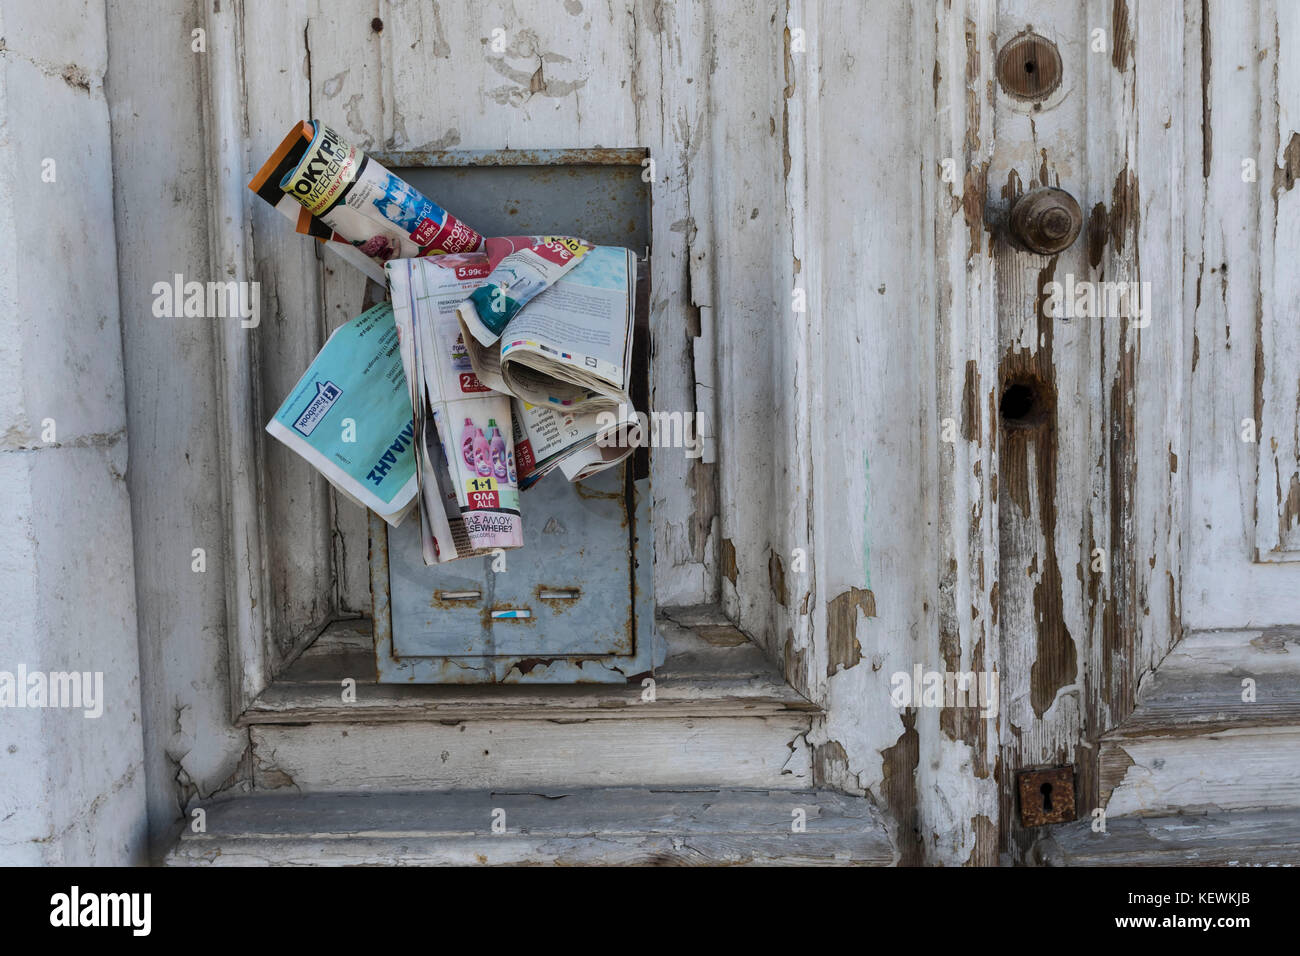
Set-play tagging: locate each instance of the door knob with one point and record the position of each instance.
(1046, 220)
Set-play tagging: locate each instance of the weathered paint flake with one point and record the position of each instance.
(842, 647)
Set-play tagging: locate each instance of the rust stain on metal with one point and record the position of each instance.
(559, 599)
(728, 560)
(1046, 796)
(485, 615)
(592, 495)
(842, 647)
(529, 664)
(442, 602)
(898, 787)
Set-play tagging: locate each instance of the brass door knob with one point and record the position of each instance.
(1046, 220)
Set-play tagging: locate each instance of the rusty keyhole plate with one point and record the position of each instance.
(1029, 67)
(1046, 796)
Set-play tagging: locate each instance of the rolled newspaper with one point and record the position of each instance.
(333, 190)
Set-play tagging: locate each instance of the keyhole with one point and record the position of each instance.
(1029, 66)
(1026, 402)
(1047, 797)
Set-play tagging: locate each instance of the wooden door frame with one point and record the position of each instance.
(789, 565)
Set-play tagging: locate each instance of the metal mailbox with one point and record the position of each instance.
(575, 604)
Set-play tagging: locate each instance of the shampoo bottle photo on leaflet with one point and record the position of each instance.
(482, 454)
(497, 443)
(467, 442)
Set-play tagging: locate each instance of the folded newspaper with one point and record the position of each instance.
(465, 454)
(539, 329)
(349, 416)
(569, 345)
(580, 444)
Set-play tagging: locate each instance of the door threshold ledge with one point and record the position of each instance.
(1226, 838)
(555, 826)
(711, 669)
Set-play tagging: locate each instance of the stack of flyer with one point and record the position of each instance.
(498, 360)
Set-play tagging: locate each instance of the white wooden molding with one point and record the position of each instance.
(240, 430)
(557, 827)
(1212, 839)
(711, 669)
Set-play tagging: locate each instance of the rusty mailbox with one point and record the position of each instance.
(575, 604)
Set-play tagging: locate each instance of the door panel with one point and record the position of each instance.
(1096, 421)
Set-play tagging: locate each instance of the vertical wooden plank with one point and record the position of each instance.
(172, 374)
(295, 517)
(345, 88)
(1164, 342)
(1230, 214)
(1277, 333)
(1222, 297)
(792, 560)
(1049, 450)
(752, 264)
(670, 86)
(967, 564)
(229, 255)
(875, 216)
(1091, 501)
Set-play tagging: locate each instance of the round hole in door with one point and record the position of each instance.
(1026, 402)
(1029, 67)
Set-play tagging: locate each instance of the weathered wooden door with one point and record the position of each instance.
(1129, 397)
(932, 446)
